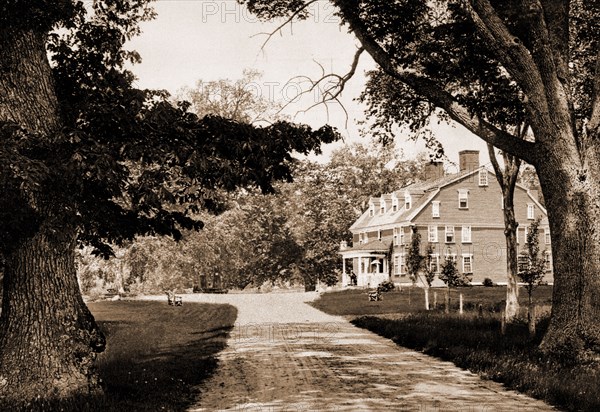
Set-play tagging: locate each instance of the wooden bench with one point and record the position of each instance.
(375, 296)
(173, 299)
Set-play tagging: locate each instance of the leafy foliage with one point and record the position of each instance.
(532, 269)
(414, 259)
(128, 161)
(450, 275)
(291, 236)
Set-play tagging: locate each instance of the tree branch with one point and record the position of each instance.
(511, 53)
(285, 23)
(496, 165)
(334, 86)
(435, 94)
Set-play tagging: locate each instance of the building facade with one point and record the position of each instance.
(459, 216)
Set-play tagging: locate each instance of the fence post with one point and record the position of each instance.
(460, 303)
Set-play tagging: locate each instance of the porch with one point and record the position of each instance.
(365, 265)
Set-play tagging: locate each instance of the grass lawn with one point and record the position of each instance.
(474, 342)
(157, 354)
(355, 301)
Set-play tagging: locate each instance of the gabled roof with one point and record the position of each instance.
(422, 194)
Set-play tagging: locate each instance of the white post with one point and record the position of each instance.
(460, 304)
(360, 271)
(344, 276)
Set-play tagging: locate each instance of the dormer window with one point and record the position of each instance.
(394, 203)
(407, 201)
(382, 208)
(483, 177)
(371, 209)
(463, 199)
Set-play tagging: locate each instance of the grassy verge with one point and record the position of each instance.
(354, 302)
(475, 343)
(156, 355)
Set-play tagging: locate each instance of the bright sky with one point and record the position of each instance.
(210, 40)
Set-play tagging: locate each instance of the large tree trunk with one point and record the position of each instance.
(48, 337)
(571, 187)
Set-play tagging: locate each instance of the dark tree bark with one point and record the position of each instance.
(571, 188)
(48, 337)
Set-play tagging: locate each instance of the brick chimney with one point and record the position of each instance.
(434, 170)
(468, 160)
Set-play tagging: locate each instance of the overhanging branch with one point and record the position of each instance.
(334, 85)
(437, 95)
(285, 23)
(509, 50)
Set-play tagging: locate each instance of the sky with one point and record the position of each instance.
(210, 40)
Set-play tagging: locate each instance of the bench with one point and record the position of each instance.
(173, 299)
(375, 296)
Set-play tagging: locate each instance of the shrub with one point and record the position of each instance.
(488, 282)
(386, 286)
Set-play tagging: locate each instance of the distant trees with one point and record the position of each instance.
(241, 100)
(291, 236)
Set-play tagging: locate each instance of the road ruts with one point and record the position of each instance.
(284, 355)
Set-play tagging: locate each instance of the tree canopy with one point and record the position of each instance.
(491, 65)
(87, 158)
(147, 166)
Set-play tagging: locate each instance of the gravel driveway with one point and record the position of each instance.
(284, 355)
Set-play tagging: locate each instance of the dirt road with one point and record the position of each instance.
(284, 355)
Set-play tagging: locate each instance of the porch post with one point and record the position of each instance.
(344, 276)
(360, 272)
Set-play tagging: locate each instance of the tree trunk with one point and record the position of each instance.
(512, 288)
(531, 318)
(507, 180)
(27, 95)
(48, 337)
(571, 186)
(426, 290)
